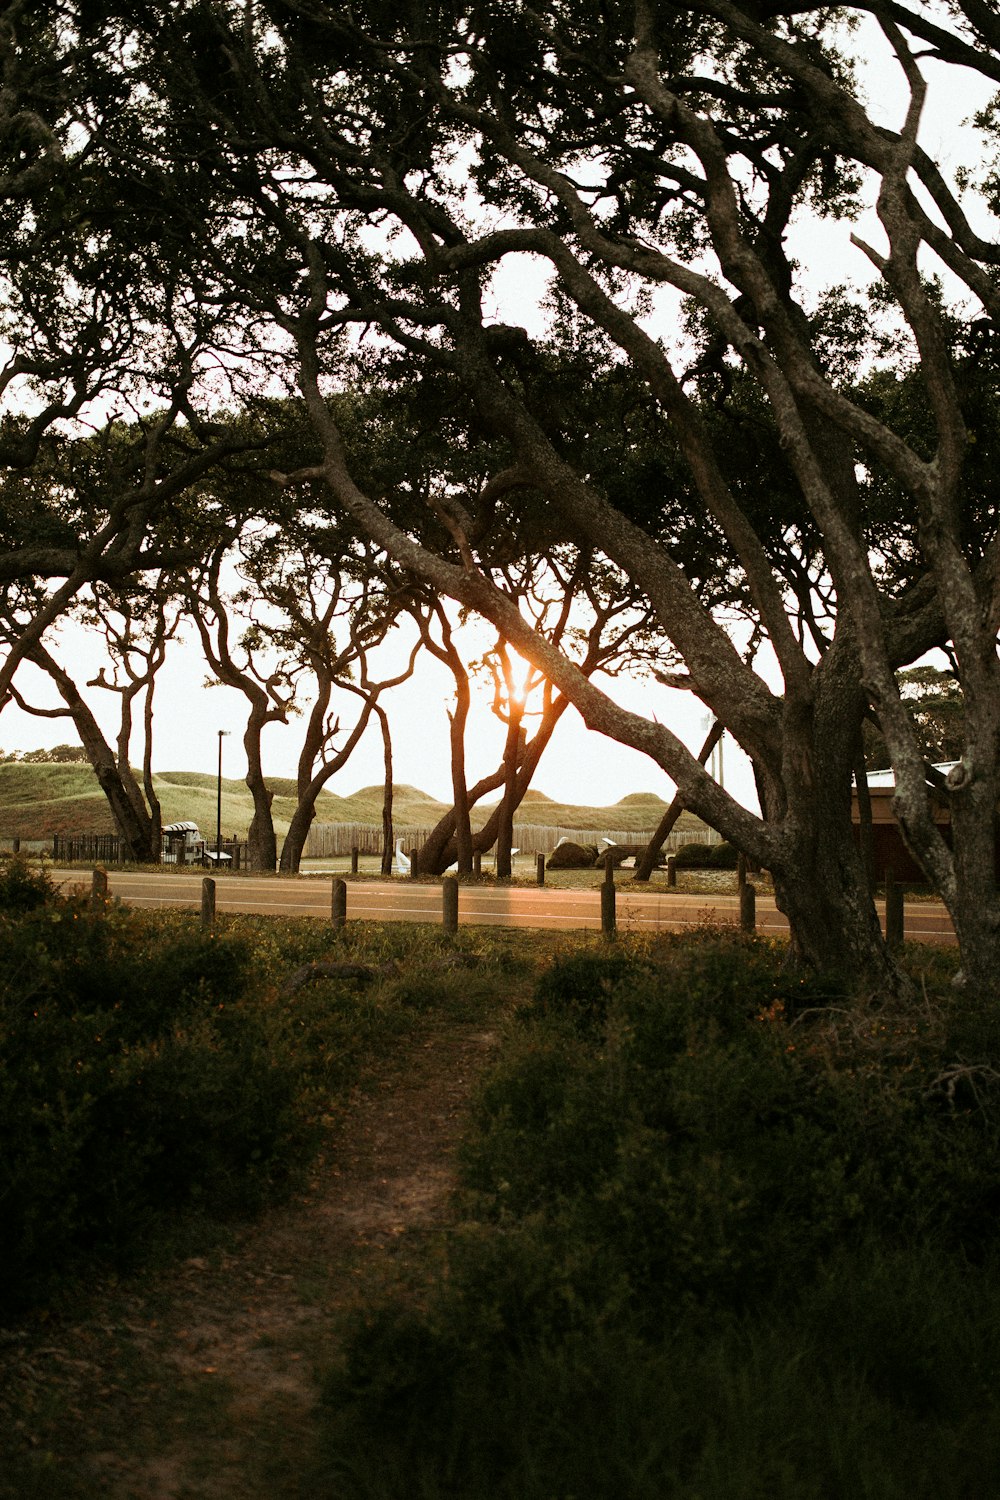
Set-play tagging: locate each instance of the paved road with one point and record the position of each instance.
(507, 906)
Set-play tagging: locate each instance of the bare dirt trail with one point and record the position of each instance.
(201, 1383)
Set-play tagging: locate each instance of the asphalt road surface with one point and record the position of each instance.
(656, 908)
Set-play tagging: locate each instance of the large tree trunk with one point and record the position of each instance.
(152, 800)
(298, 832)
(440, 848)
(310, 784)
(387, 835)
(822, 888)
(974, 906)
(460, 787)
(818, 868)
(137, 829)
(510, 801)
(262, 845)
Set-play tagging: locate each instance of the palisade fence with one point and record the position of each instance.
(101, 848)
(328, 839)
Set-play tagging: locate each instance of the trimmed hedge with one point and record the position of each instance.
(722, 856)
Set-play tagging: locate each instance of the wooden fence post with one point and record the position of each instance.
(608, 923)
(540, 870)
(414, 865)
(748, 908)
(894, 919)
(449, 903)
(208, 902)
(354, 859)
(99, 889)
(338, 904)
(671, 870)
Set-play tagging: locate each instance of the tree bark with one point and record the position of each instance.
(132, 820)
(439, 849)
(459, 785)
(509, 802)
(387, 833)
(262, 844)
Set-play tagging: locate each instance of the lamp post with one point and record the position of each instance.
(218, 802)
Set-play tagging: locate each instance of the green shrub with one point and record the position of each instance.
(23, 887)
(724, 856)
(135, 1078)
(705, 1250)
(694, 856)
(578, 989)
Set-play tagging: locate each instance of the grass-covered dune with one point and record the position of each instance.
(39, 800)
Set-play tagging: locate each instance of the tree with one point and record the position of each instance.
(110, 352)
(579, 606)
(268, 689)
(139, 830)
(330, 602)
(675, 150)
(934, 699)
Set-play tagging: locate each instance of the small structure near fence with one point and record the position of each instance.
(182, 844)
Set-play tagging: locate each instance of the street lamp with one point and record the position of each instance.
(223, 733)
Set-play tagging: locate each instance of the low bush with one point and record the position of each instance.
(693, 857)
(705, 1249)
(150, 1071)
(724, 856)
(136, 1078)
(571, 856)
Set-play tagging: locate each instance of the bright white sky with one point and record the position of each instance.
(578, 766)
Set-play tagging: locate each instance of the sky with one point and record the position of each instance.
(578, 766)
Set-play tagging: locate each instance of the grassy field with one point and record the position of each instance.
(37, 801)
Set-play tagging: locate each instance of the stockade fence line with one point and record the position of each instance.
(100, 848)
(327, 840)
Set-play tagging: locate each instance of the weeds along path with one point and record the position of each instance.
(201, 1382)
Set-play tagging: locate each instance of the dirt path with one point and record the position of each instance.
(201, 1384)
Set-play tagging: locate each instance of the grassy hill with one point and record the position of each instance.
(37, 801)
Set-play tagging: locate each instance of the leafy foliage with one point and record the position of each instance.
(699, 1240)
(153, 1081)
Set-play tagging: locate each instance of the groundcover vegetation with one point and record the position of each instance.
(722, 1234)
(156, 1079)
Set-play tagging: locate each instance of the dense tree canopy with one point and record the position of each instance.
(328, 190)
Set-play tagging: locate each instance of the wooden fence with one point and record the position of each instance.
(110, 849)
(100, 848)
(328, 839)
